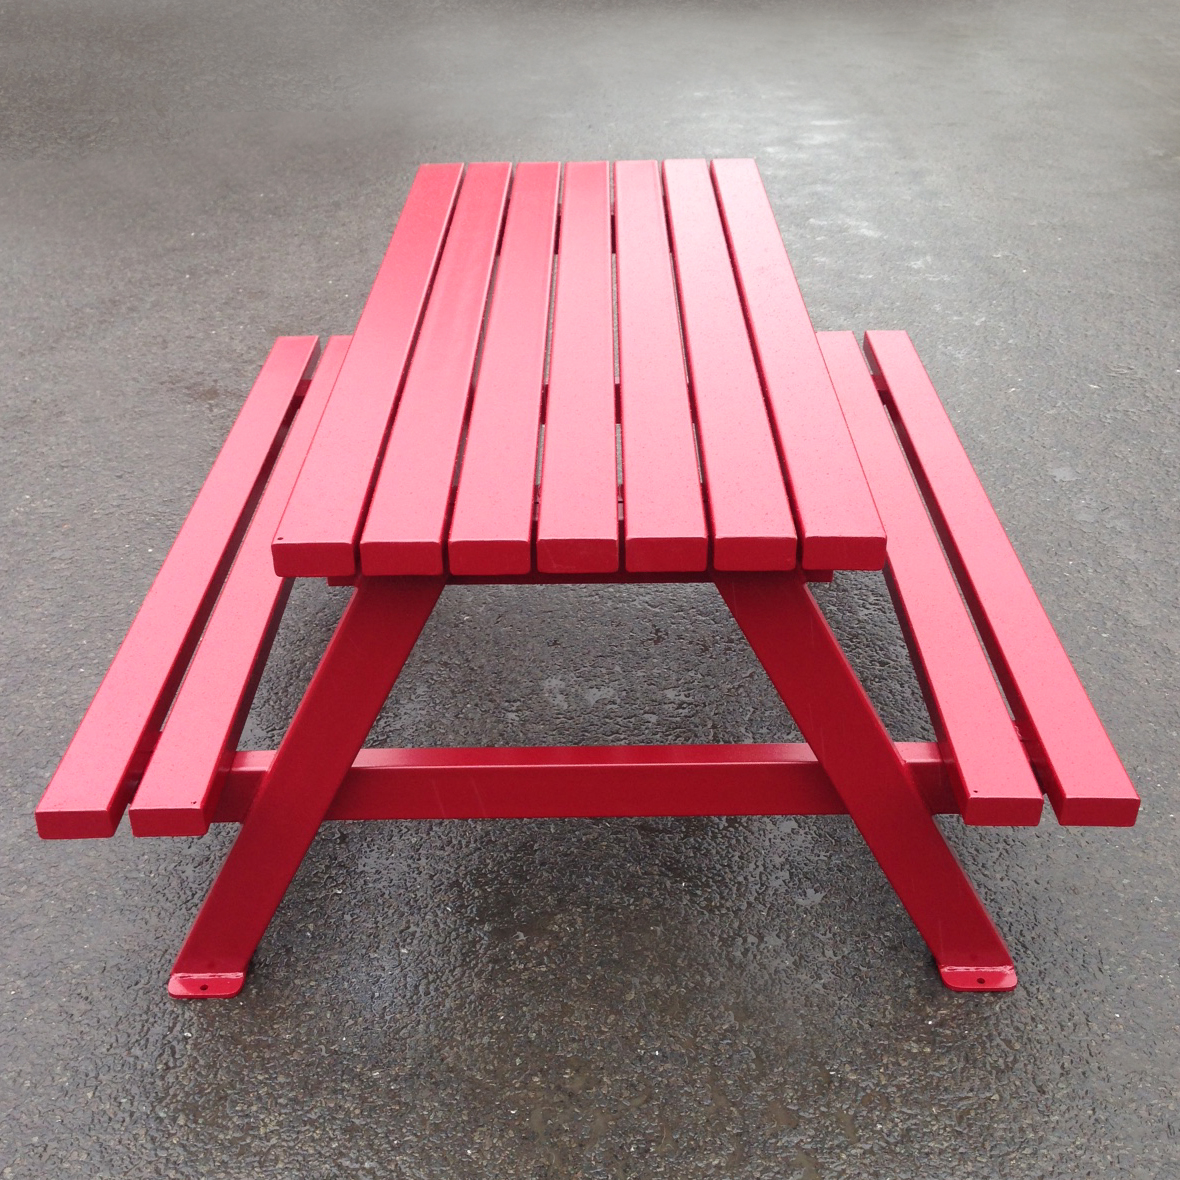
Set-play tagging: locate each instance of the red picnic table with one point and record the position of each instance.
(654, 407)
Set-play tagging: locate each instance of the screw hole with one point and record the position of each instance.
(979, 980)
(205, 986)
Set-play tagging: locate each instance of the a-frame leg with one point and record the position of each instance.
(372, 641)
(805, 663)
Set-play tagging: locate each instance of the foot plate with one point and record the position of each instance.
(206, 985)
(979, 979)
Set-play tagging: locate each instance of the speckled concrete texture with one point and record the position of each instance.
(598, 999)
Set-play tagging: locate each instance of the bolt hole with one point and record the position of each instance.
(979, 980)
(205, 986)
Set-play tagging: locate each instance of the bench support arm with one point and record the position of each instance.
(376, 634)
(807, 667)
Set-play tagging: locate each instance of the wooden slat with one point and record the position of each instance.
(492, 525)
(990, 772)
(1079, 768)
(750, 515)
(578, 527)
(181, 784)
(663, 517)
(566, 781)
(91, 787)
(403, 532)
(318, 533)
(838, 523)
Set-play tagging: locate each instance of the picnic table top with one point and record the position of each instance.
(557, 374)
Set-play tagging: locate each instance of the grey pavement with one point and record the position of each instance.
(625, 998)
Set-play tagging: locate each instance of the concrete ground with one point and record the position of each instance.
(180, 183)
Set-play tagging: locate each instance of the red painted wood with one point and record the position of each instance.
(492, 525)
(1079, 768)
(180, 787)
(92, 785)
(838, 523)
(578, 526)
(663, 514)
(750, 516)
(803, 659)
(990, 770)
(569, 781)
(403, 532)
(363, 659)
(319, 530)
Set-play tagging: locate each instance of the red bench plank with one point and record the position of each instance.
(180, 786)
(318, 533)
(492, 525)
(1078, 765)
(838, 522)
(750, 515)
(578, 526)
(663, 515)
(403, 532)
(555, 781)
(91, 787)
(991, 774)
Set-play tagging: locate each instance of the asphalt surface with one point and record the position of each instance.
(179, 184)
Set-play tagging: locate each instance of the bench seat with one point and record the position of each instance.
(122, 746)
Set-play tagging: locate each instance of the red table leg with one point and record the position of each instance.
(371, 643)
(822, 693)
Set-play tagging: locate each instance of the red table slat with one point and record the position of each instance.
(991, 774)
(663, 514)
(94, 780)
(838, 522)
(403, 533)
(492, 526)
(578, 527)
(750, 516)
(319, 529)
(1081, 771)
(179, 789)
